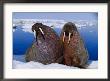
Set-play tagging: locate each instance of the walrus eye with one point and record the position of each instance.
(41, 31)
(63, 36)
(69, 37)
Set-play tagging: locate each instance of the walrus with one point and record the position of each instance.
(47, 47)
(74, 51)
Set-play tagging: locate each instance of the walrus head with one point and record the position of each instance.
(37, 28)
(68, 30)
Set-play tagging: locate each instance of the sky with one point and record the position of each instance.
(68, 16)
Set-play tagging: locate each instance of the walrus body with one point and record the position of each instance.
(75, 53)
(47, 47)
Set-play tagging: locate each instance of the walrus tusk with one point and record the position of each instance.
(41, 31)
(69, 37)
(63, 36)
(34, 33)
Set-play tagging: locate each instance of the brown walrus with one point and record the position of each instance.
(47, 47)
(75, 53)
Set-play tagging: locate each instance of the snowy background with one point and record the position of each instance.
(22, 23)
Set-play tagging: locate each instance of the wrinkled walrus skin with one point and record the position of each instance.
(47, 47)
(75, 53)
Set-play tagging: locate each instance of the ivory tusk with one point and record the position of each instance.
(41, 31)
(63, 36)
(69, 37)
(34, 33)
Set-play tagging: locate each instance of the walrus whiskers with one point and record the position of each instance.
(63, 36)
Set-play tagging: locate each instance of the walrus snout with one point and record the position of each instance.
(38, 30)
(68, 30)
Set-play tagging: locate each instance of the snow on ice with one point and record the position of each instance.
(19, 63)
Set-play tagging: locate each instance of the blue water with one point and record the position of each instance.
(23, 40)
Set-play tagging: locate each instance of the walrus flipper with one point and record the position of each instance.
(31, 53)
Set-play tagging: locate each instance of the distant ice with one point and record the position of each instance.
(53, 22)
(19, 63)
